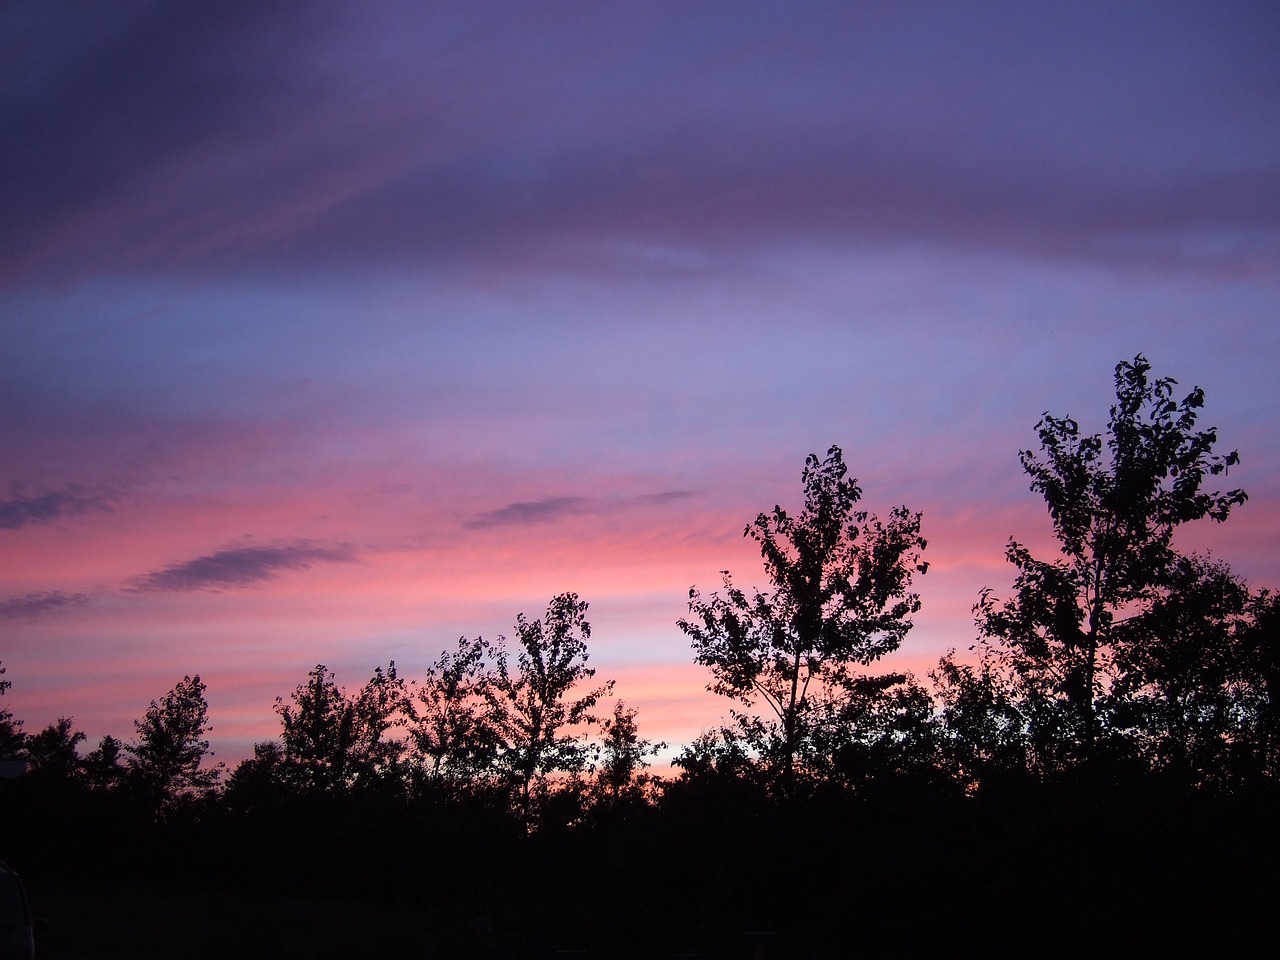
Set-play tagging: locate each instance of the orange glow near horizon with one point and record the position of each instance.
(407, 602)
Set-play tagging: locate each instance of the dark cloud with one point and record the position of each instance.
(94, 96)
(33, 606)
(241, 567)
(730, 190)
(530, 512)
(173, 136)
(670, 496)
(550, 509)
(47, 507)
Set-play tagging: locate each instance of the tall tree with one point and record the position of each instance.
(103, 766)
(256, 782)
(11, 738)
(1114, 504)
(841, 599)
(623, 756)
(53, 752)
(984, 736)
(449, 726)
(331, 741)
(380, 710)
(1260, 647)
(1183, 692)
(536, 706)
(165, 760)
(318, 733)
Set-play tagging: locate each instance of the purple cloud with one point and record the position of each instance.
(529, 512)
(135, 144)
(19, 512)
(658, 499)
(34, 606)
(550, 509)
(95, 95)
(241, 567)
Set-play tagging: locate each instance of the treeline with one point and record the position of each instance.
(485, 724)
(1119, 674)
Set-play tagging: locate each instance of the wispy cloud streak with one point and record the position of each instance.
(19, 512)
(39, 604)
(661, 499)
(549, 509)
(529, 512)
(241, 567)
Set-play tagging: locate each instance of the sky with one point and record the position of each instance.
(330, 333)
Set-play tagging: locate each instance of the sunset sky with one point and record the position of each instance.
(331, 332)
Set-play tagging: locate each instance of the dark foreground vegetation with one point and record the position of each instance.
(1098, 777)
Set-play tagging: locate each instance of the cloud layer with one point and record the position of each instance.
(489, 137)
(18, 512)
(33, 606)
(241, 567)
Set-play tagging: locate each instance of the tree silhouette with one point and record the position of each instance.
(380, 708)
(52, 752)
(318, 733)
(1179, 691)
(165, 759)
(534, 708)
(984, 730)
(11, 737)
(449, 727)
(841, 599)
(332, 742)
(260, 781)
(1260, 648)
(104, 768)
(1114, 506)
(622, 756)
(877, 731)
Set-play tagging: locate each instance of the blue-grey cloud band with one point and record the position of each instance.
(241, 567)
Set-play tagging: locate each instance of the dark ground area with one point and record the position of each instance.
(1052, 875)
